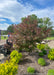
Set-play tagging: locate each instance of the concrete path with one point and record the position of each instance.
(51, 44)
(2, 57)
(2, 42)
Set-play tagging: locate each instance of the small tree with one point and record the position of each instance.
(10, 28)
(28, 33)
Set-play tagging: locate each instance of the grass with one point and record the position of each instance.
(50, 38)
(4, 38)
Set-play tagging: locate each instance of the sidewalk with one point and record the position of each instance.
(2, 42)
(2, 57)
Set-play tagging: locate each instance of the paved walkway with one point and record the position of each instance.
(2, 57)
(51, 44)
(2, 42)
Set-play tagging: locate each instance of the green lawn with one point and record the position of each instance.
(4, 38)
(50, 38)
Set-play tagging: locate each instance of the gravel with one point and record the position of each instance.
(51, 44)
(2, 42)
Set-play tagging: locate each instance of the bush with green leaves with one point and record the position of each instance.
(44, 52)
(46, 46)
(8, 68)
(51, 54)
(50, 72)
(15, 56)
(41, 54)
(41, 61)
(30, 70)
(11, 67)
(41, 46)
(37, 51)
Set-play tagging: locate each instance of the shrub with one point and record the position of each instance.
(44, 52)
(15, 56)
(27, 33)
(41, 54)
(38, 46)
(37, 51)
(50, 72)
(46, 46)
(51, 54)
(8, 68)
(41, 46)
(41, 61)
(30, 70)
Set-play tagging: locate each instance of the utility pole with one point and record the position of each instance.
(0, 35)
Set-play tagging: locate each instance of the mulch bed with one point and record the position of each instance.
(31, 60)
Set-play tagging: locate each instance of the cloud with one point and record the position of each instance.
(14, 11)
(2, 20)
(3, 26)
(47, 12)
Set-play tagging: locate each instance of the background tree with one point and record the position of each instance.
(52, 33)
(42, 22)
(10, 28)
(3, 32)
(32, 17)
(45, 22)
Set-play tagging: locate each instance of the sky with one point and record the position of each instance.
(11, 11)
